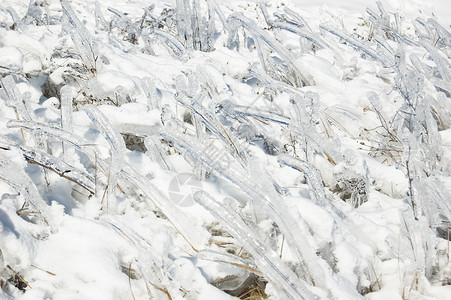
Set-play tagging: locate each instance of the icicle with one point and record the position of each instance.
(157, 154)
(188, 24)
(21, 103)
(103, 124)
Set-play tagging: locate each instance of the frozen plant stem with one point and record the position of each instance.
(80, 36)
(266, 259)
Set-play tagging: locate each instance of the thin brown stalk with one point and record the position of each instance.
(164, 290)
(130, 280)
(330, 159)
(48, 272)
(18, 276)
(230, 140)
(95, 174)
(244, 267)
(26, 212)
(173, 225)
(377, 278)
(61, 174)
(447, 254)
(281, 247)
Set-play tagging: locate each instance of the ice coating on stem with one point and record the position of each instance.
(298, 26)
(222, 18)
(260, 114)
(66, 108)
(313, 178)
(16, 177)
(262, 38)
(212, 123)
(227, 258)
(14, 98)
(49, 130)
(265, 258)
(60, 167)
(305, 117)
(271, 83)
(444, 36)
(172, 41)
(360, 45)
(80, 36)
(151, 264)
(117, 146)
(184, 26)
(66, 112)
(174, 214)
(442, 65)
(67, 137)
(196, 30)
(101, 23)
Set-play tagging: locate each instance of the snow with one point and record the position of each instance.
(11, 57)
(134, 165)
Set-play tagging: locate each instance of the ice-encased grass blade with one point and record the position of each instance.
(174, 214)
(360, 45)
(60, 167)
(80, 36)
(265, 258)
(117, 146)
(14, 175)
(13, 98)
(264, 38)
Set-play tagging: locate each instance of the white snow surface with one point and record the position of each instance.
(210, 153)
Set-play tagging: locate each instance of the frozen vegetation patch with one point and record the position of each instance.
(203, 150)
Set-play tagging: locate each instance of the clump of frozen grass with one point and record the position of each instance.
(82, 39)
(195, 29)
(208, 110)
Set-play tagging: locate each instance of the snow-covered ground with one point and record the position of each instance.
(220, 150)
